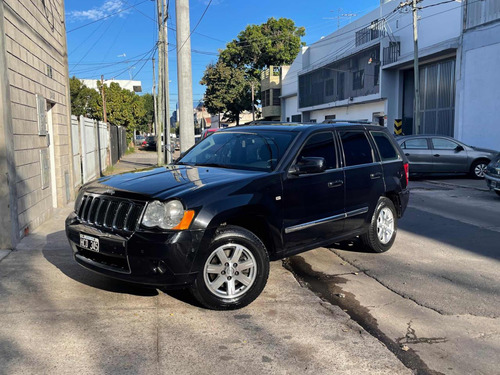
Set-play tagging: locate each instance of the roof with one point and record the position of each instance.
(297, 127)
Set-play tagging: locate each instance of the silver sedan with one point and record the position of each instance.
(439, 154)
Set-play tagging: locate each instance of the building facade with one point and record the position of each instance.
(36, 171)
(127, 84)
(364, 71)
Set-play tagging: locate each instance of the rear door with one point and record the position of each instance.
(447, 158)
(419, 155)
(314, 203)
(364, 181)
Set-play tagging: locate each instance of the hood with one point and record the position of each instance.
(484, 150)
(171, 180)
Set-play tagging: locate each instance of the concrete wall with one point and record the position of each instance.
(36, 64)
(362, 111)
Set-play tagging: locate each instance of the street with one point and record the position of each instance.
(436, 291)
(429, 305)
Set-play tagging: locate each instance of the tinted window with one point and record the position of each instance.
(443, 144)
(416, 144)
(385, 146)
(251, 151)
(320, 145)
(357, 149)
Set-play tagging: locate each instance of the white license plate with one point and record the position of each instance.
(89, 242)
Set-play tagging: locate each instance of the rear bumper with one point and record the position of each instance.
(159, 259)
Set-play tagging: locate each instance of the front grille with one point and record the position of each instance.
(111, 213)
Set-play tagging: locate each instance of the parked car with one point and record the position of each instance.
(429, 154)
(139, 139)
(239, 198)
(149, 143)
(492, 174)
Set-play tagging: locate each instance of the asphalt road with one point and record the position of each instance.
(438, 289)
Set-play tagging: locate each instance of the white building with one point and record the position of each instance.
(365, 71)
(133, 86)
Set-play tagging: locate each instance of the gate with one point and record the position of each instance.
(75, 146)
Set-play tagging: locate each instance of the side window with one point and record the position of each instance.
(357, 149)
(385, 146)
(320, 145)
(443, 144)
(416, 144)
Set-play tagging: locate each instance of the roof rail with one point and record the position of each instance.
(365, 122)
(267, 122)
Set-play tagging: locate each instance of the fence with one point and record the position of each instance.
(96, 145)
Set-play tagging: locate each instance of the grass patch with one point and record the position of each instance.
(130, 150)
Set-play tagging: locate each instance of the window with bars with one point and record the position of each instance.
(41, 107)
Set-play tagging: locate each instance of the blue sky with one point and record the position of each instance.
(119, 46)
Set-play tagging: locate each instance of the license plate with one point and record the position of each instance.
(89, 242)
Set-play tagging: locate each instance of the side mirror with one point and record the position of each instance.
(308, 165)
(459, 148)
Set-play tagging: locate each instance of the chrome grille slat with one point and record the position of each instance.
(110, 212)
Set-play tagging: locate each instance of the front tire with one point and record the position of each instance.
(478, 168)
(235, 270)
(383, 227)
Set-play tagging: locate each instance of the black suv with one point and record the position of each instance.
(239, 198)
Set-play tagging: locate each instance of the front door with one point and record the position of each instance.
(447, 158)
(314, 203)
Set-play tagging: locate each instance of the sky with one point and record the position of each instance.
(121, 45)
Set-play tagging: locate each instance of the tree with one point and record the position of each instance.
(84, 101)
(275, 42)
(228, 90)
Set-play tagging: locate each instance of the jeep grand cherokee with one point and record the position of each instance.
(238, 199)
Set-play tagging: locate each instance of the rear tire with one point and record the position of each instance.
(235, 270)
(478, 168)
(383, 227)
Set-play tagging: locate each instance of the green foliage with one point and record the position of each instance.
(228, 90)
(84, 101)
(275, 42)
(123, 107)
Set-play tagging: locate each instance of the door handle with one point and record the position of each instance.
(374, 176)
(436, 155)
(407, 154)
(337, 183)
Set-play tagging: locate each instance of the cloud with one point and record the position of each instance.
(107, 8)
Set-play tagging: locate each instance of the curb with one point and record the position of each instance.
(456, 185)
(4, 253)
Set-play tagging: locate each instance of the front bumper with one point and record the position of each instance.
(493, 182)
(163, 259)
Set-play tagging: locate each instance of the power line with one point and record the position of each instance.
(199, 21)
(105, 17)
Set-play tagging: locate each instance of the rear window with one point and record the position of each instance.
(385, 146)
(415, 144)
(357, 149)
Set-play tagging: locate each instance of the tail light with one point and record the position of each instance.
(407, 172)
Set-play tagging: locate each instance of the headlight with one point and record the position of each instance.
(167, 215)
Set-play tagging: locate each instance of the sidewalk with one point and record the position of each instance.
(59, 318)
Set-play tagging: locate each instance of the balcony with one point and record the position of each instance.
(374, 31)
(391, 54)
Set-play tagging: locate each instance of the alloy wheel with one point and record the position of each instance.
(385, 225)
(230, 271)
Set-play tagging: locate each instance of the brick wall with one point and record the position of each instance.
(34, 40)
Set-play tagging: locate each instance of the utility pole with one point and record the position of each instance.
(416, 116)
(184, 75)
(104, 116)
(154, 98)
(253, 106)
(168, 151)
(161, 92)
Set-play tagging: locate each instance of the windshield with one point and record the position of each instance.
(250, 151)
